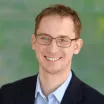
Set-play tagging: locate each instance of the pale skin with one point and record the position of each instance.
(53, 73)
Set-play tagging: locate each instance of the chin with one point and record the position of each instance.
(53, 70)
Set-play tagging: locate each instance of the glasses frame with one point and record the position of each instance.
(36, 36)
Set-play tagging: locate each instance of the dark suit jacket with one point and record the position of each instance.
(22, 92)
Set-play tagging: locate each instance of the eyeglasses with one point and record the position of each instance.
(62, 41)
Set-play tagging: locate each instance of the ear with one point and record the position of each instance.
(33, 41)
(78, 46)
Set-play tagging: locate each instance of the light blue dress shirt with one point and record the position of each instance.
(55, 97)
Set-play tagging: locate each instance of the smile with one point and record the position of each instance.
(52, 59)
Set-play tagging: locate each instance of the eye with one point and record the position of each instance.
(44, 38)
(64, 39)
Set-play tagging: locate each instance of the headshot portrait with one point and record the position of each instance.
(55, 40)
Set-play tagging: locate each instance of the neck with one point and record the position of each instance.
(50, 82)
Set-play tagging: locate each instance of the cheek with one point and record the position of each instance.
(39, 50)
(69, 53)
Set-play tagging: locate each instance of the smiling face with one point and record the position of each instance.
(53, 59)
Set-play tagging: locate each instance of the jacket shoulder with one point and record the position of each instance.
(92, 95)
(15, 88)
(21, 82)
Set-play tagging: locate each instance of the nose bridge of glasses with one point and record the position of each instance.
(53, 42)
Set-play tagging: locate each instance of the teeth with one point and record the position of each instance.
(52, 59)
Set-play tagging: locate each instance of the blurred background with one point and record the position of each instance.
(17, 60)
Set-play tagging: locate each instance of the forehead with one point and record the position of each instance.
(56, 26)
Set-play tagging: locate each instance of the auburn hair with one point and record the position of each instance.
(63, 11)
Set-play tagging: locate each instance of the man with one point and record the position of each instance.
(55, 40)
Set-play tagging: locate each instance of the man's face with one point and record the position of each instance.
(53, 59)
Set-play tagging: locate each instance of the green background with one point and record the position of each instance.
(17, 60)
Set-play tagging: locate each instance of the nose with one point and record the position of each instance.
(52, 48)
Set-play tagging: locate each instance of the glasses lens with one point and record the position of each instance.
(43, 39)
(63, 41)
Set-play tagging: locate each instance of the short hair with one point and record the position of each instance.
(63, 11)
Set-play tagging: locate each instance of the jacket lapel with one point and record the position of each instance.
(27, 95)
(73, 93)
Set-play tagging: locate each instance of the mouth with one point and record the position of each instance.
(52, 59)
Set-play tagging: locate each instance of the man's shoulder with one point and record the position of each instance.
(84, 92)
(19, 84)
(91, 94)
(11, 92)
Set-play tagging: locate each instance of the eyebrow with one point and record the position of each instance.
(55, 37)
(45, 34)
